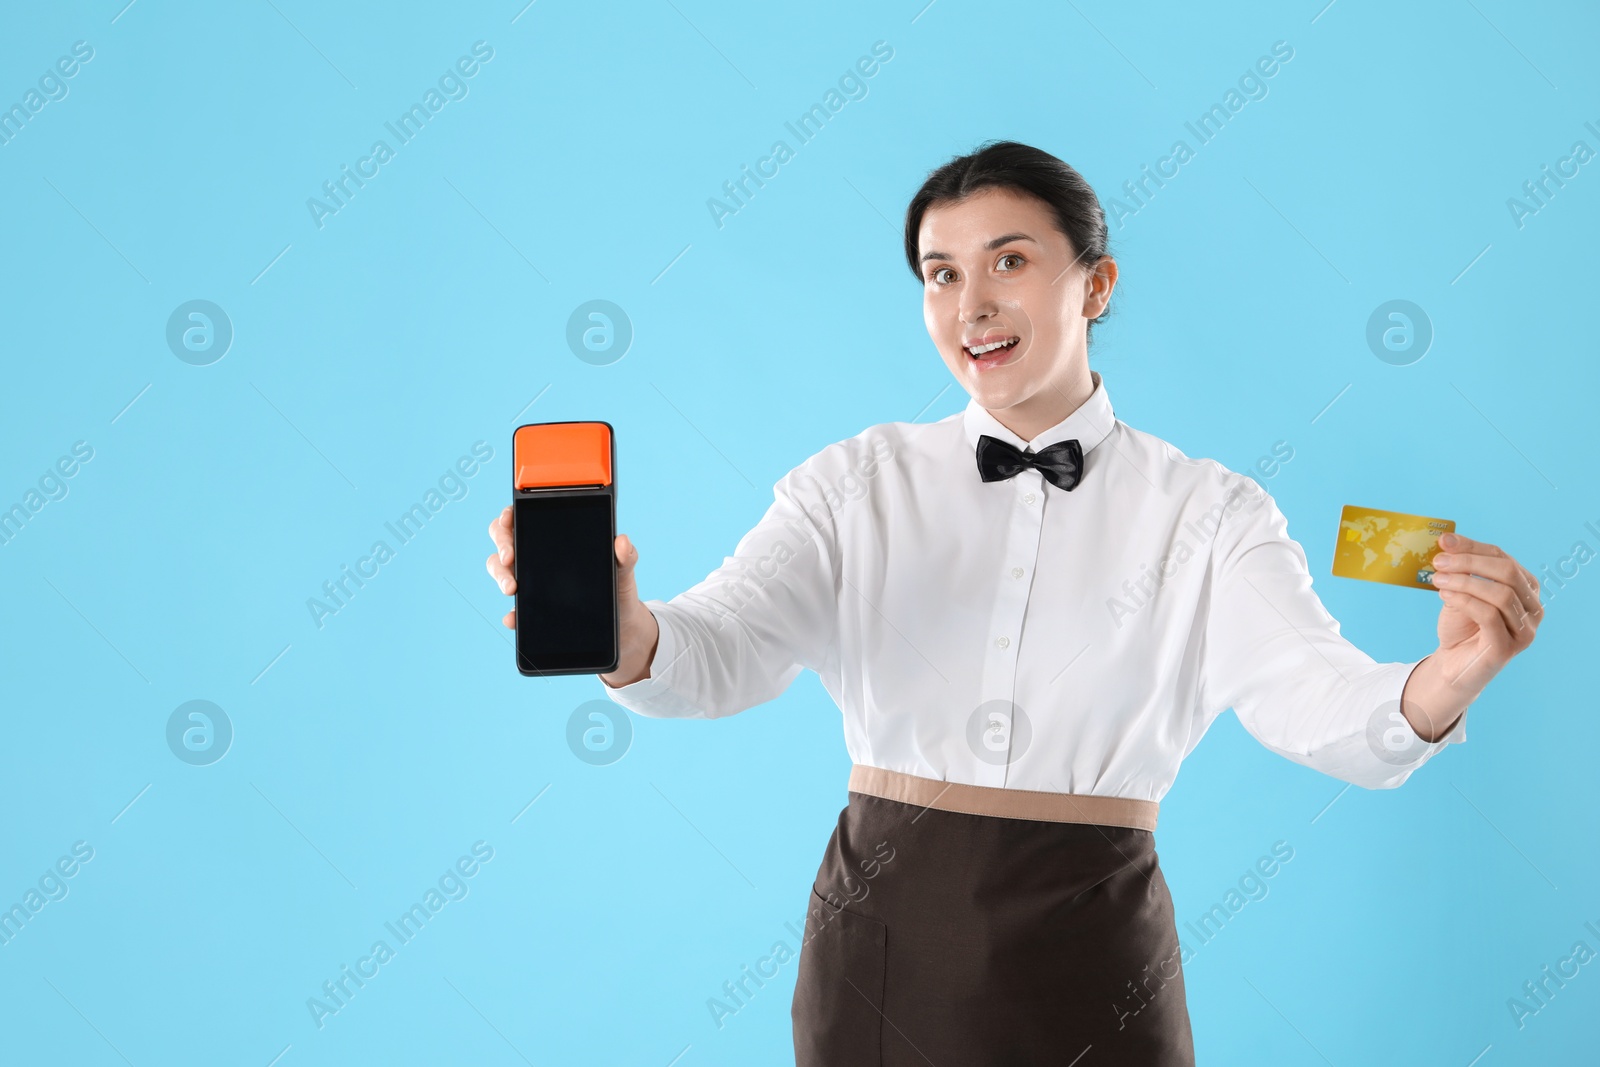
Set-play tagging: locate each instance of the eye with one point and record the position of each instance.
(934, 277)
(1012, 255)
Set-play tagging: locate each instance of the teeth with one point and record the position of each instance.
(982, 349)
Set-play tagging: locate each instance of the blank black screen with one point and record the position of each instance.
(566, 584)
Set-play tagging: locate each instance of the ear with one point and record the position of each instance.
(1097, 287)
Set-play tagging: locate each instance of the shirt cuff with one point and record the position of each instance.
(653, 695)
(1392, 739)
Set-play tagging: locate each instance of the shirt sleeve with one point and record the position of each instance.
(1272, 652)
(743, 634)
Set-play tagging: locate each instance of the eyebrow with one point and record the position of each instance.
(991, 246)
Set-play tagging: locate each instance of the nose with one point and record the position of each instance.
(976, 304)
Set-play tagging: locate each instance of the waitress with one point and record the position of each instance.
(1028, 613)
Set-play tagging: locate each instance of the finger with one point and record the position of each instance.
(1527, 587)
(1532, 584)
(1501, 568)
(501, 574)
(1455, 543)
(1501, 608)
(1497, 568)
(627, 557)
(1490, 622)
(500, 532)
(510, 620)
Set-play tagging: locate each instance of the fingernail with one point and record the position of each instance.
(505, 555)
(1441, 560)
(505, 585)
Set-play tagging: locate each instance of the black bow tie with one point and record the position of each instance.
(1061, 463)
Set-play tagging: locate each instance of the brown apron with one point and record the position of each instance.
(940, 935)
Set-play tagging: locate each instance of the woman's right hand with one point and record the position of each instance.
(638, 630)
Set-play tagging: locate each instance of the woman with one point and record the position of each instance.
(1029, 613)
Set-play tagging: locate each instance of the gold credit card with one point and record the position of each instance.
(1388, 546)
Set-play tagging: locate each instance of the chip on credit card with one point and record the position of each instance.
(1388, 546)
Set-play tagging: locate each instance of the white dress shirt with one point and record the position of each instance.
(1014, 634)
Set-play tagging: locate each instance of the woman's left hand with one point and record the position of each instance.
(1491, 611)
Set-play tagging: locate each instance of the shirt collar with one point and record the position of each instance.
(1090, 423)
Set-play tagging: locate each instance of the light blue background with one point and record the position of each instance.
(427, 314)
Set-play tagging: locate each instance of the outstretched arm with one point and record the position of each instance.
(1271, 651)
(739, 637)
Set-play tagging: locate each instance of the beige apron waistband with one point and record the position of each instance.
(1005, 803)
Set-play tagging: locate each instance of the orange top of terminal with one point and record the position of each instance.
(562, 453)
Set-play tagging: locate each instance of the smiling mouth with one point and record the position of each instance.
(980, 351)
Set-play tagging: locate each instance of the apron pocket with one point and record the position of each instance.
(837, 1013)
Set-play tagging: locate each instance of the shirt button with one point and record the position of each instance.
(1016, 572)
(1029, 499)
(1003, 642)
